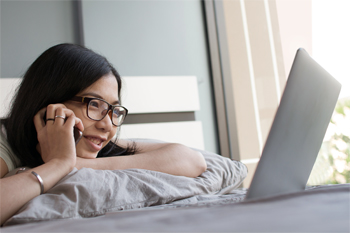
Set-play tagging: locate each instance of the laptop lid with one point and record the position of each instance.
(297, 132)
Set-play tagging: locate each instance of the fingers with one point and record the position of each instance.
(59, 115)
(79, 124)
(54, 110)
(72, 120)
(56, 138)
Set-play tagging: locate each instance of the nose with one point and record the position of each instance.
(110, 114)
(106, 123)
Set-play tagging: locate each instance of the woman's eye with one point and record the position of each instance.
(116, 113)
(94, 104)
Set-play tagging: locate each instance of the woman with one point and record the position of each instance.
(70, 86)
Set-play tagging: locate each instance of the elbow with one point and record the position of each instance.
(197, 165)
(189, 162)
(201, 165)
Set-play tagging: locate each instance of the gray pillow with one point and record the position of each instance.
(88, 193)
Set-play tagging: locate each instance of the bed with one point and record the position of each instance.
(323, 209)
(137, 200)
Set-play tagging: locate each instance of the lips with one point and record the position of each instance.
(94, 143)
(90, 145)
(95, 140)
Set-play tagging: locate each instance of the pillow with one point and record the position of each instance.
(89, 193)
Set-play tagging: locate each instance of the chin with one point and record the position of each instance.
(85, 156)
(81, 153)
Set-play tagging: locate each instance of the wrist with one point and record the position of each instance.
(80, 163)
(63, 164)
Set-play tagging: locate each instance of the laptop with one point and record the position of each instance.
(297, 132)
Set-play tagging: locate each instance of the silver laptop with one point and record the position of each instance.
(297, 131)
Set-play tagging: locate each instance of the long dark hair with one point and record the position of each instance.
(56, 76)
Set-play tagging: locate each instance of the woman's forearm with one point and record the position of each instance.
(169, 158)
(18, 189)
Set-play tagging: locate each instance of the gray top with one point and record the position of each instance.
(6, 152)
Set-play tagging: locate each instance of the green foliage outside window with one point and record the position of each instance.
(333, 162)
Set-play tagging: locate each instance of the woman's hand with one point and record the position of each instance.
(57, 148)
(56, 139)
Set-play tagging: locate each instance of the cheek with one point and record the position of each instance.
(82, 152)
(80, 114)
(112, 134)
(87, 123)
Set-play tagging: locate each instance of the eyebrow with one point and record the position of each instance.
(100, 97)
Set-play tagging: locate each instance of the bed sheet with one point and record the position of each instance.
(318, 209)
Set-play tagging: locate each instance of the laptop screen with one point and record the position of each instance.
(297, 131)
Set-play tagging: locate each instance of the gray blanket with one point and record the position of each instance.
(90, 193)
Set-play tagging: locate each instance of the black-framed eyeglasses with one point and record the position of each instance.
(98, 108)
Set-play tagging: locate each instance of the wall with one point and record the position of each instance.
(30, 27)
(27, 29)
(155, 38)
(141, 38)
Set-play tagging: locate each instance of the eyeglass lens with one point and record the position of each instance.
(97, 109)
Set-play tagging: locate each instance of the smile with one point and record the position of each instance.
(94, 140)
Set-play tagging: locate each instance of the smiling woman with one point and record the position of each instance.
(98, 129)
(71, 86)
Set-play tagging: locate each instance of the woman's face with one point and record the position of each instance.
(96, 134)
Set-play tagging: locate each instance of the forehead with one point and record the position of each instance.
(105, 88)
